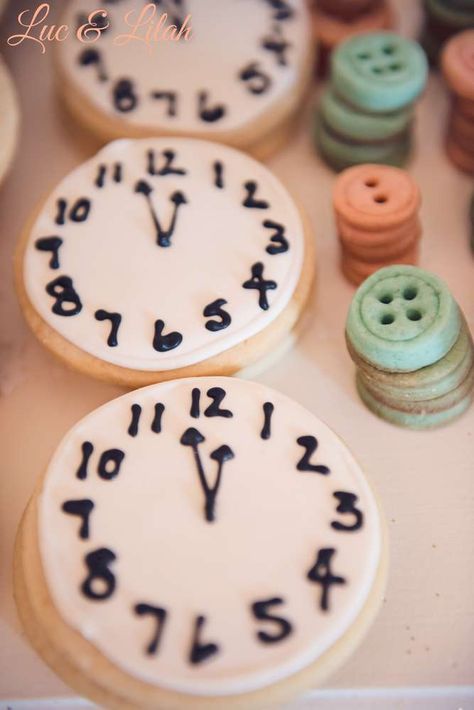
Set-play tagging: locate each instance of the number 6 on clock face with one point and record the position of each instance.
(208, 536)
(163, 254)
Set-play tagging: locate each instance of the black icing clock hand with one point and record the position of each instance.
(163, 236)
(192, 437)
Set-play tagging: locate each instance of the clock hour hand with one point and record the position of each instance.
(177, 198)
(192, 437)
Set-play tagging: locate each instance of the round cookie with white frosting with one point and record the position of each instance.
(9, 119)
(205, 542)
(160, 258)
(234, 72)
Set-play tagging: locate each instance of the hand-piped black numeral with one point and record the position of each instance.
(51, 244)
(217, 394)
(93, 58)
(115, 320)
(256, 80)
(277, 44)
(62, 290)
(201, 651)
(279, 243)
(82, 508)
(346, 504)
(156, 423)
(192, 438)
(78, 212)
(169, 168)
(282, 10)
(170, 97)
(219, 174)
(310, 444)
(207, 113)
(100, 583)
(261, 611)
(159, 616)
(260, 284)
(124, 96)
(116, 173)
(177, 198)
(163, 343)
(215, 309)
(251, 188)
(109, 463)
(266, 432)
(321, 573)
(135, 421)
(87, 450)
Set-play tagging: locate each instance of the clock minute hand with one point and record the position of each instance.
(163, 236)
(192, 437)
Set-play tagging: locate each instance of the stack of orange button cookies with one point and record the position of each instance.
(457, 62)
(336, 20)
(376, 208)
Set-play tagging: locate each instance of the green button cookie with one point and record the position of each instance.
(350, 123)
(402, 318)
(379, 71)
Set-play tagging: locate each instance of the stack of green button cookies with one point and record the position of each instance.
(443, 19)
(412, 348)
(366, 112)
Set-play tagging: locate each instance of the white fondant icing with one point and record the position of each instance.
(116, 265)
(226, 37)
(270, 521)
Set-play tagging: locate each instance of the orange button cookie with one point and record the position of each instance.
(373, 196)
(357, 271)
(330, 30)
(457, 63)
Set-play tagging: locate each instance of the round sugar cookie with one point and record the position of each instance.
(201, 543)
(238, 76)
(9, 119)
(160, 258)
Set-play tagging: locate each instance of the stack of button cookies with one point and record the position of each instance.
(457, 63)
(443, 19)
(412, 348)
(336, 20)
(366, 112)
(376, 209)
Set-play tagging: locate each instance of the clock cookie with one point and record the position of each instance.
(160, 258)
(201, 543)
(9, 119)
(237, 77)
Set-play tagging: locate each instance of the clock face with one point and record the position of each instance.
(242, 58)
(157, 254)
(207, 535)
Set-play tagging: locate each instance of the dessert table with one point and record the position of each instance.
(420, 651)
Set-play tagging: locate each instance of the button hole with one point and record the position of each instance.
(363, 55)
(380, 199)
(414, 314)
(386, 298)
(395, 67)
(371, 182)
(377, 70)
(388, 49)
(410, 293)
(387, 318)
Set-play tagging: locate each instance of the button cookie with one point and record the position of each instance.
(403, 318)
(163, 257)
(457, 63)
(152, 568)
(202, 79)
(379, 71)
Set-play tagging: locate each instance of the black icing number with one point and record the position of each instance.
(321, 573)
(262, 610)
(310, 445)
(158, 614)
(82, 509)
(353, 517)
(109, 464)
(255, 79)
(215, 309)
(77, 212)
(124, 96)
(66, 299)
(100, 583)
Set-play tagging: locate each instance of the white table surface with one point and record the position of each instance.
(420, 650)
